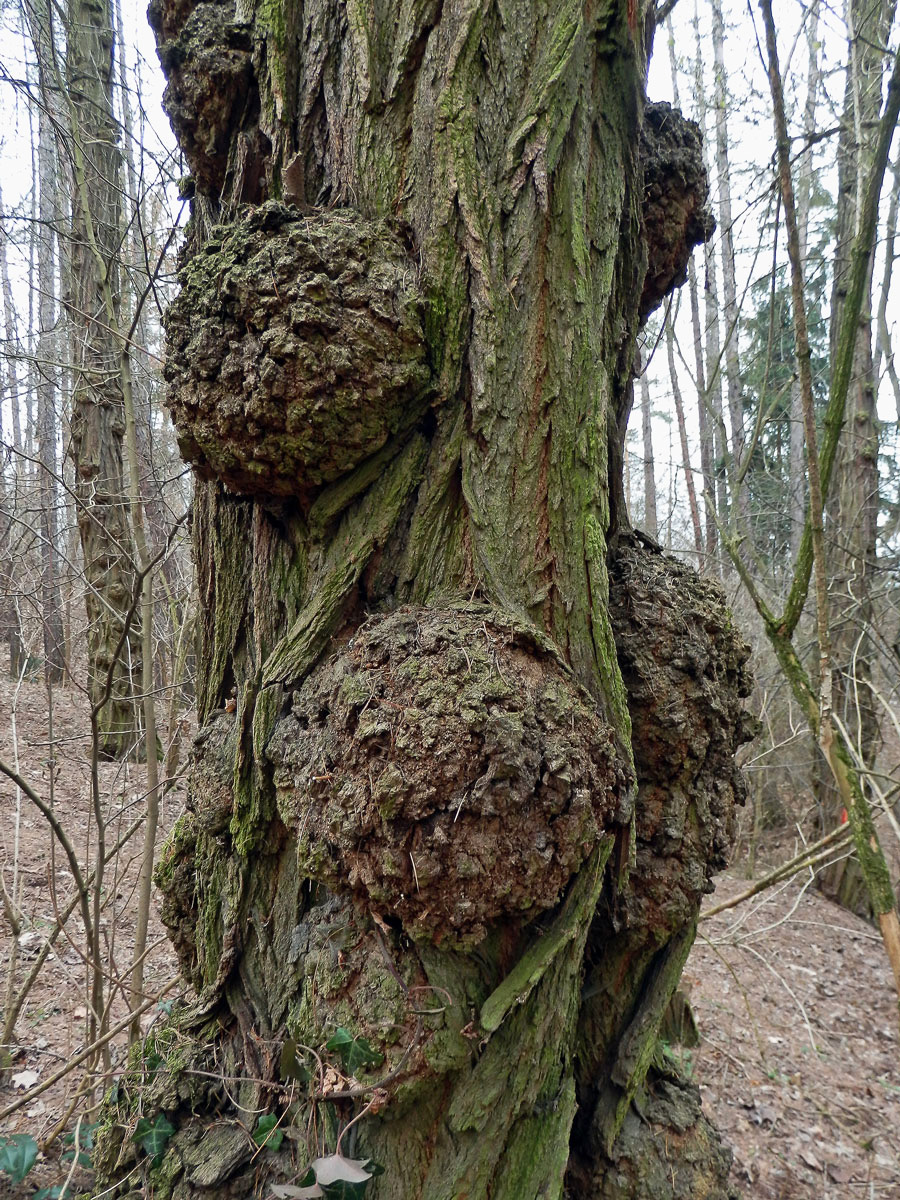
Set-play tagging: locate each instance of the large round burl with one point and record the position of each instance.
(295, 349)
(447, 770)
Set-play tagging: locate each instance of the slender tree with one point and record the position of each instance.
(98, 413)
(707, 433)
(650, 522)
(804, 171)
(816, 697)
(712, 422)
(44, 364)
(693, 506)
(10, 465)
(726, 243)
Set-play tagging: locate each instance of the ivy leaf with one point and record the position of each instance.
(291, 1067)
(342, 1178)
(153, 1061)
(267, 1132)
(17, 1156)
(153, 1138)
(84, 1159)
(344, 1190)
(308, 1189)
(85, 1135)
(355, 1053)
(49, 1193)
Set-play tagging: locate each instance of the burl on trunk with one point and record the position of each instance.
(443, 855)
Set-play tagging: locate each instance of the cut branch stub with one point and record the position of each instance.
(676, 190)
(295, 349)
(446, 771)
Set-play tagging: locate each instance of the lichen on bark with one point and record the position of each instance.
(675, 202)
(445, 768)
(206, 53)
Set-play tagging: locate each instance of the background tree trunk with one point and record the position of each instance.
(853, 508)
(726, 238)
(98, 418)
(805, 172)
(10, 469)
(712, 421)
(707, 552)
(466, 757)
(650, 521)
(44, 364)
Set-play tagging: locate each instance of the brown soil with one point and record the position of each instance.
(798, 1062)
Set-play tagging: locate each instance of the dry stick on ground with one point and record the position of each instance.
(812, 552)
(75, 1157)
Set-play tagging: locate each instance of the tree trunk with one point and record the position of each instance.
(711, 398)
(98, 420)
(466, 756)
(650, 521)
(853, 509)
(10, 468)
(706, 551)
(44, 365)
(884, 350)
(693, 506)
(726, 236)
(804, 174)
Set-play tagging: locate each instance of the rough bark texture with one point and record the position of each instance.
(416, 819)
(676, 218)
(43, 383)
(853, 505)
(295, 349)
(98, 417)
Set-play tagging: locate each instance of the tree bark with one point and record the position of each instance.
(650, 520)
(98, 419)
(805, 171)
(466, 754)
(44, 364)
(853, 507)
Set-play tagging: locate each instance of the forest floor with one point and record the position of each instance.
(799, 1059)
(799, 1055)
